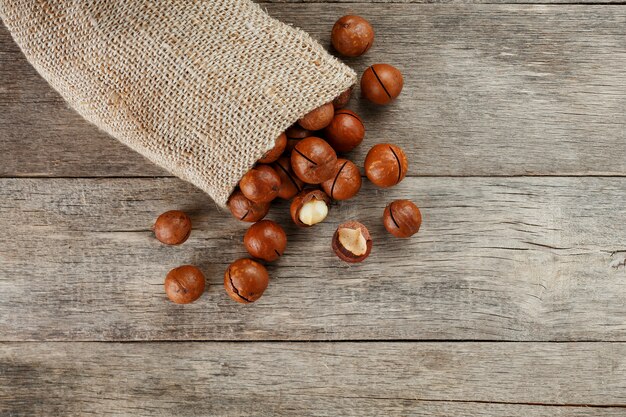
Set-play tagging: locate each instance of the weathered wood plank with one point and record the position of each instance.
(496, 259)
(490, 90)
(319, 379)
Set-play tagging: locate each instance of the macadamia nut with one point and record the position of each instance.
(309, 207)
(352, 242)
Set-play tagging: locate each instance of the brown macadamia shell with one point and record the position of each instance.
(313, 160)
(185, 284)
(261, 184)
(381, 83)
(245, 280)
(319, 118)
(402, 218)
(172, 227)
(358, 238)
(346, 183)
(294, 135)
(265, 240)
(244, 209)
(290, 184)
(352, 36)
(345, 132)
(386, 165)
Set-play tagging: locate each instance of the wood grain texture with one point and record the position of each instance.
(319, 379)
(496, 259)
(490, 90)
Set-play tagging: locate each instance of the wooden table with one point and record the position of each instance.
(511, 301)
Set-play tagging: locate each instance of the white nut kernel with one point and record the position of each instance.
(353, 240)
(313, 212)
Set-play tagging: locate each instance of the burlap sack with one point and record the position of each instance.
(201, 88)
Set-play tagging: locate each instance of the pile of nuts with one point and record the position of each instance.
(303, 167)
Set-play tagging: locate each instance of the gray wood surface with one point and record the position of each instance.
(490, 90)
(511, 301)
(341, 379)
(496, 259)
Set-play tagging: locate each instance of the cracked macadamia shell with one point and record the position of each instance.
(290, 184)
(346, 183)
(352, 242)
(381, 83)
(386, 165)
(294, 135)
(245, 280)
(313, 160)
(185, 284)
(402, 218)
(309, 207)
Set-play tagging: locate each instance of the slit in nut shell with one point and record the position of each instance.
(402, 218)
(290, 185)
(352, 242)
(386, 165)
(346, 183)
(381, 83)
(313, 160)
(245, 209)
(245, 280)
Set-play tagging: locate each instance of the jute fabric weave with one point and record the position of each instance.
(201, 88)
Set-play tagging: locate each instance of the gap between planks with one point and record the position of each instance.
(336, 379)
(315, 341)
